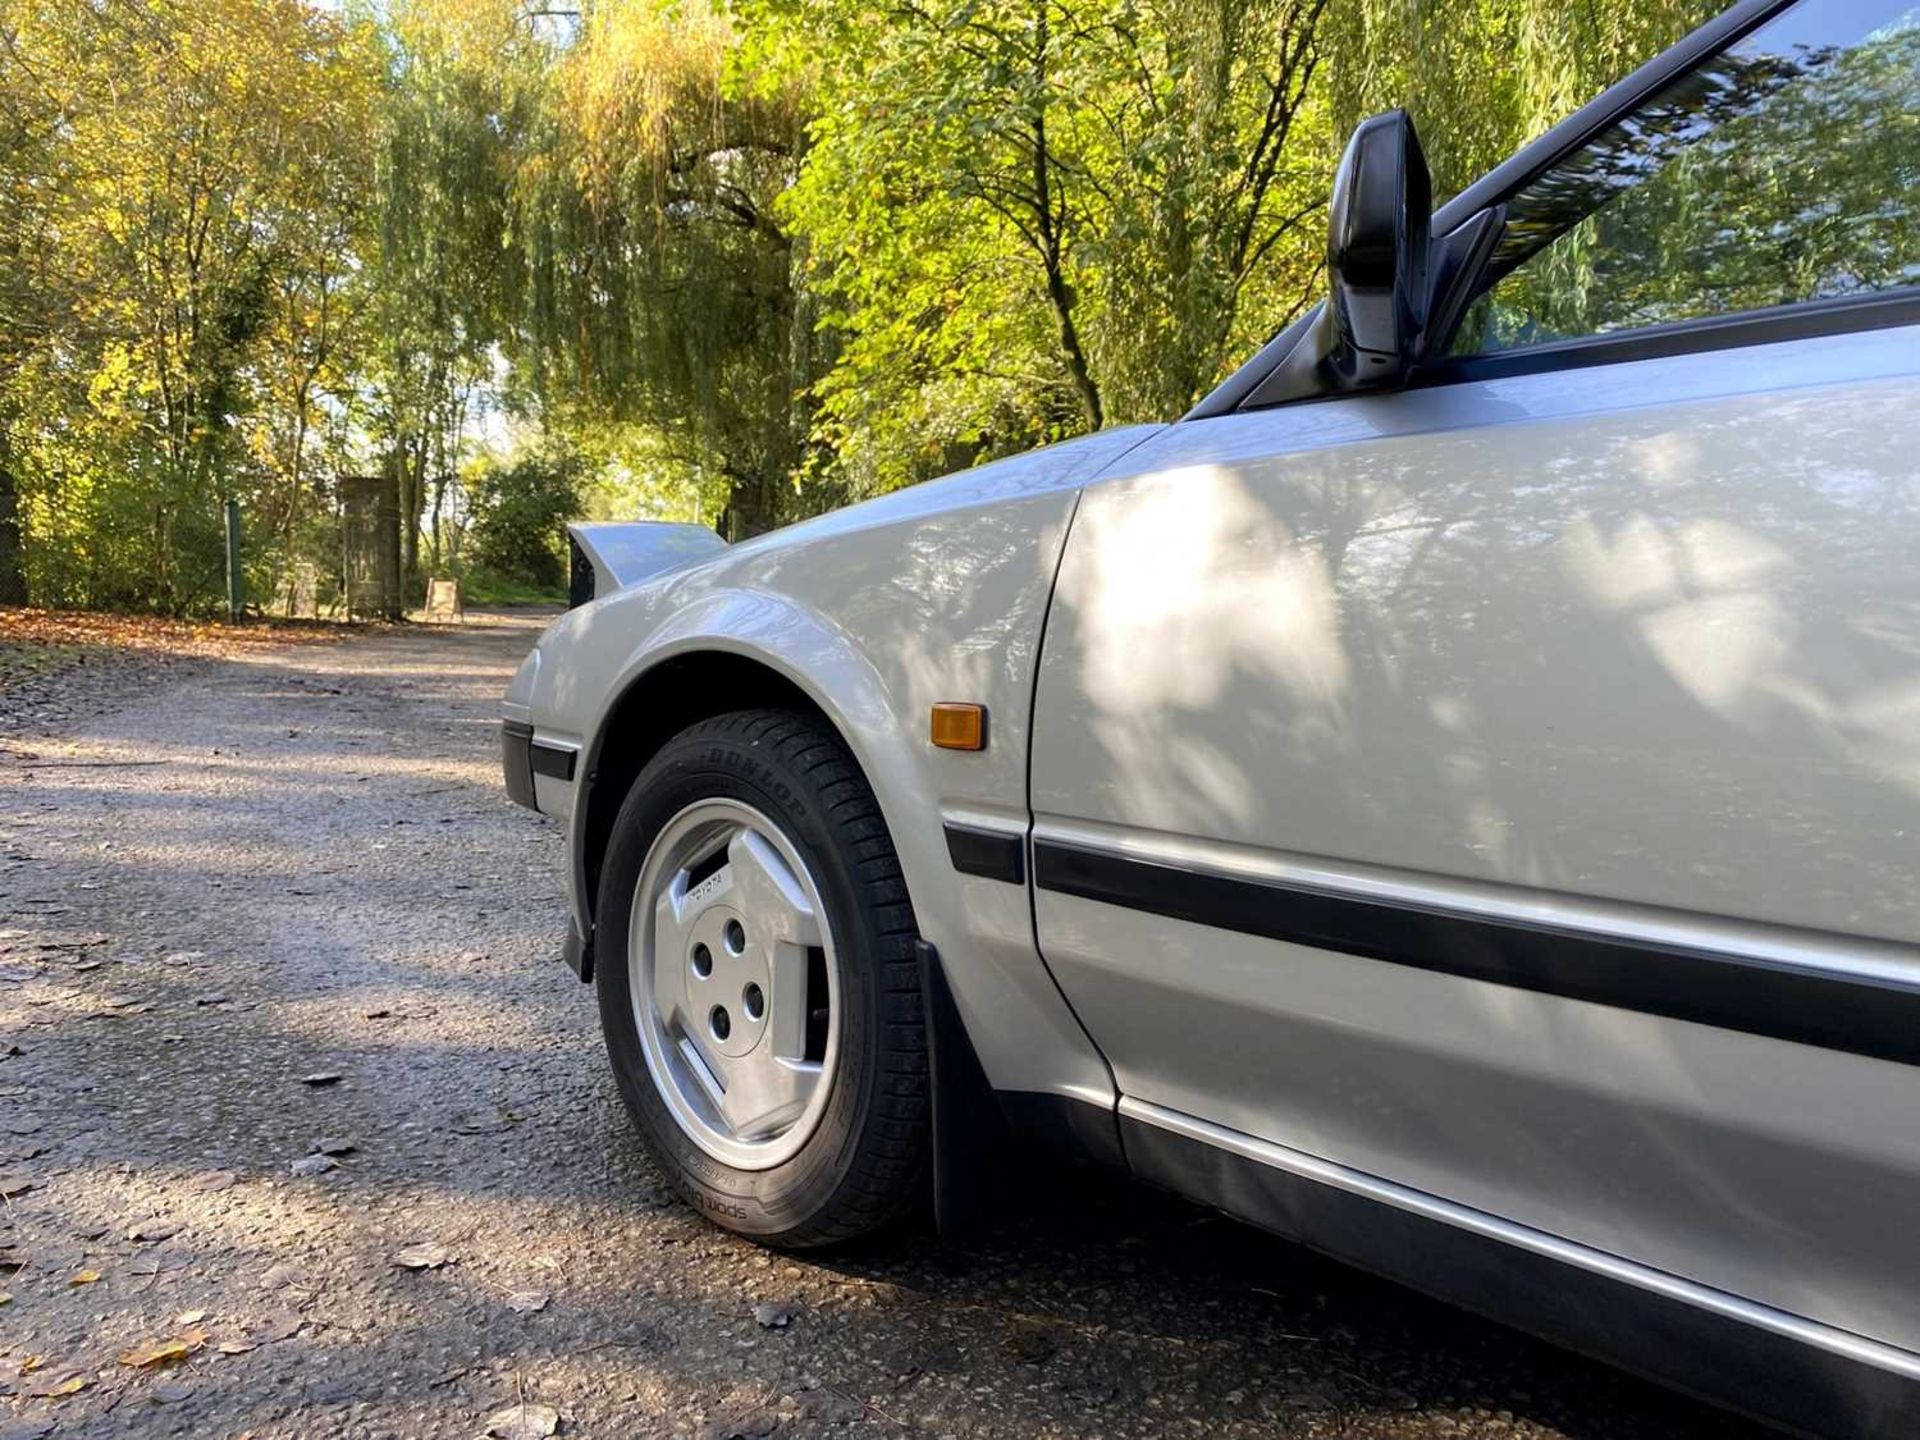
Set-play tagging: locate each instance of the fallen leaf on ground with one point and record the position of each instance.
(189, 1317)
(235, 1347)
(424, 1256)
(161, 1352)
(160, 1262)
(51, 1389)
(212, 1181)
(334, 1145)
(321, 1077)
(309, 1165)
(523, 1422)
(149, 1230)
(32, 1363)
(477, 1122)
(6, 1297)
(84, 1277)
(526, 1302)
(275, 1328)
(280, 1276)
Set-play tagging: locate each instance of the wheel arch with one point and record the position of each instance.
(659, 702)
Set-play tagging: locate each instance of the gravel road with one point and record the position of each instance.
(259, 908)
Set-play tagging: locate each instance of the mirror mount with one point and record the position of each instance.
(1367, 334)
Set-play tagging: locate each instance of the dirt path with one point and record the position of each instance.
(298, 864)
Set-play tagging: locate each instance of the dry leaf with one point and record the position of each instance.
(150, 1230)
(523, 1422)
(51, 1389)
(84, 1277)
(283, 1326)
(32, 1363)
(164, 1352)
(189, 1317)
(235, 1347)
(526, 1302)
(425, 1256)
(307, 1166)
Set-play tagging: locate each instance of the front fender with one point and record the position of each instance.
(801, 648)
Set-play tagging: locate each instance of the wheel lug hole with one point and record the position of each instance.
(702, 961)
(720, 1022)
(754, 1002)
(736, 934)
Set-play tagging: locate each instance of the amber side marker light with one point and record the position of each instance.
(959, 727)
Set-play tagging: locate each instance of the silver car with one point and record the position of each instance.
(1452, 798)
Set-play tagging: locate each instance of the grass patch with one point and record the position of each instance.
(487, 588)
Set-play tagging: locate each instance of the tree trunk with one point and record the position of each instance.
(13, 579)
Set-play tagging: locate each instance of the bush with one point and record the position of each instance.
(520, 512)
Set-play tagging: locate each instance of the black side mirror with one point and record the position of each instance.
(1377, 254)
(1368, 333)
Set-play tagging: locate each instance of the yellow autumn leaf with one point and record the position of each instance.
(84, 1277)
(32, 1363)
(164, 1352)
(72, 1385)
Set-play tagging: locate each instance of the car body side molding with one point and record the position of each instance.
(991, 854)
(1778, 1367)
(1860, 1015)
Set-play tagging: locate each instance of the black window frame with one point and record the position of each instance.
(1465, 227)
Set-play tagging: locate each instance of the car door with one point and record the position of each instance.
(1509, 788)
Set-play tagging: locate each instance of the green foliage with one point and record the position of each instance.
(679, 258)
(1032, 218)
(520, 511)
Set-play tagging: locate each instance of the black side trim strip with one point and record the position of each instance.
(1855, 1014)
(1759, 1371)
(987, 852)
(516, 740)
(555, 761)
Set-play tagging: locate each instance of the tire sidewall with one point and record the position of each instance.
(776, 1202)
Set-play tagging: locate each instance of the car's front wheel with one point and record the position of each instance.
(757, 981)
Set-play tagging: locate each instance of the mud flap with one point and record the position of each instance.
(969, 1132)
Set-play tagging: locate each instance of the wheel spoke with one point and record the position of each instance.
(765, 1092)
(702, 1071)
(789, 1002)
(672, 919)
(768, 893)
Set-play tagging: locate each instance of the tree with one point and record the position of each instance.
(1035, 217)
(178, 148)
(520, 509)
(658, 283)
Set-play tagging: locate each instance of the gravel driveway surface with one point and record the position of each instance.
(305, 1133)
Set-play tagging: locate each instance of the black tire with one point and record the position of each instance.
(864, 1163)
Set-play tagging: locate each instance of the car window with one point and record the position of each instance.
(1784, 170)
